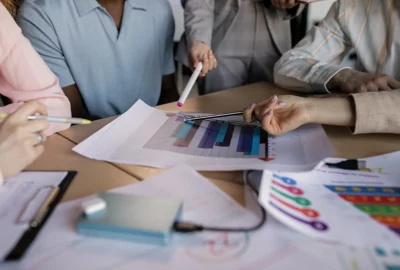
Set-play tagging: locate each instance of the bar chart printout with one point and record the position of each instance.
(382, 204)
(149, 137)
(212, 139)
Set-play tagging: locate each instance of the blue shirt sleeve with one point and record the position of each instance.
(37, 27)
(169, 63)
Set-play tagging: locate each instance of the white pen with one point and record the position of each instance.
(75, 121)
(190, 84)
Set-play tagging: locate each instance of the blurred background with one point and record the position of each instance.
(312, 16)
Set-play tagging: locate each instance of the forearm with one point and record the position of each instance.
(316, 58)
(297, 72)
(331, 111)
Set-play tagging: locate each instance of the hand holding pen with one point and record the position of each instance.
(20, 139)
(53, 119)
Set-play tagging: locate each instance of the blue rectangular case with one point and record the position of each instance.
(135, 218)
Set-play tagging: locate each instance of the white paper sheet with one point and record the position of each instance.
(146, 136)
(273, 247)
(20, 197)
(353, 207)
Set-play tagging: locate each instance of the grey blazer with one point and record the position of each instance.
(209, 20)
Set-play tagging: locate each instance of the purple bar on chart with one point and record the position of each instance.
(212, 136)
(204, 139)
(189, 137)
(240, 146)
(228, 137)
(248, 139)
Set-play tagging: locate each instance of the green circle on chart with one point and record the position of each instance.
(303, 201)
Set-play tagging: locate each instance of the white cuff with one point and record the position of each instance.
(333, 75)
(323, 74)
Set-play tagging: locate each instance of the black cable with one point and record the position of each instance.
(350, 164)
(188, 227)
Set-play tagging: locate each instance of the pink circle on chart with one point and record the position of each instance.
(295, 190)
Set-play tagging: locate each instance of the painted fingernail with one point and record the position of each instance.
(274, 98)
(253, 106)
(269, 112)
(281, 103)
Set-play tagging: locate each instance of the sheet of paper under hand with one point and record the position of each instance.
(273, 247)
(150, 137)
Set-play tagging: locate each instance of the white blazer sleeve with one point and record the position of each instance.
(199, 20)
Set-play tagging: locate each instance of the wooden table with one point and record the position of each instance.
(344, 143)
(98, 176)
(93, 176)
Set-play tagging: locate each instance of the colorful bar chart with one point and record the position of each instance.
(211, 138)
(382, 204)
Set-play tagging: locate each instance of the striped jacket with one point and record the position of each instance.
(371, 28)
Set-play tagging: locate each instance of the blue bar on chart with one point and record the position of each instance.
(210, 135)
(248, 139)
(178, 130)
(179, 127)
(239, 147)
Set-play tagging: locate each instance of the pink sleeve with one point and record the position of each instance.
(25, 76)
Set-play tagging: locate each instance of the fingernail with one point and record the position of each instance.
(281, 103)
(269, 112)
(253, 106)
(274, 98)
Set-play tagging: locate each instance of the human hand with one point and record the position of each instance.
(352, 81)
(286, 4)
(21, 139)
(279, 115)
(201, 52)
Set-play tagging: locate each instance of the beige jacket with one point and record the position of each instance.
(209, 20)
(370, 27)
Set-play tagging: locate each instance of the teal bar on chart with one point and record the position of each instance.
(185, 130)
(222, 133)
(255, 147)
